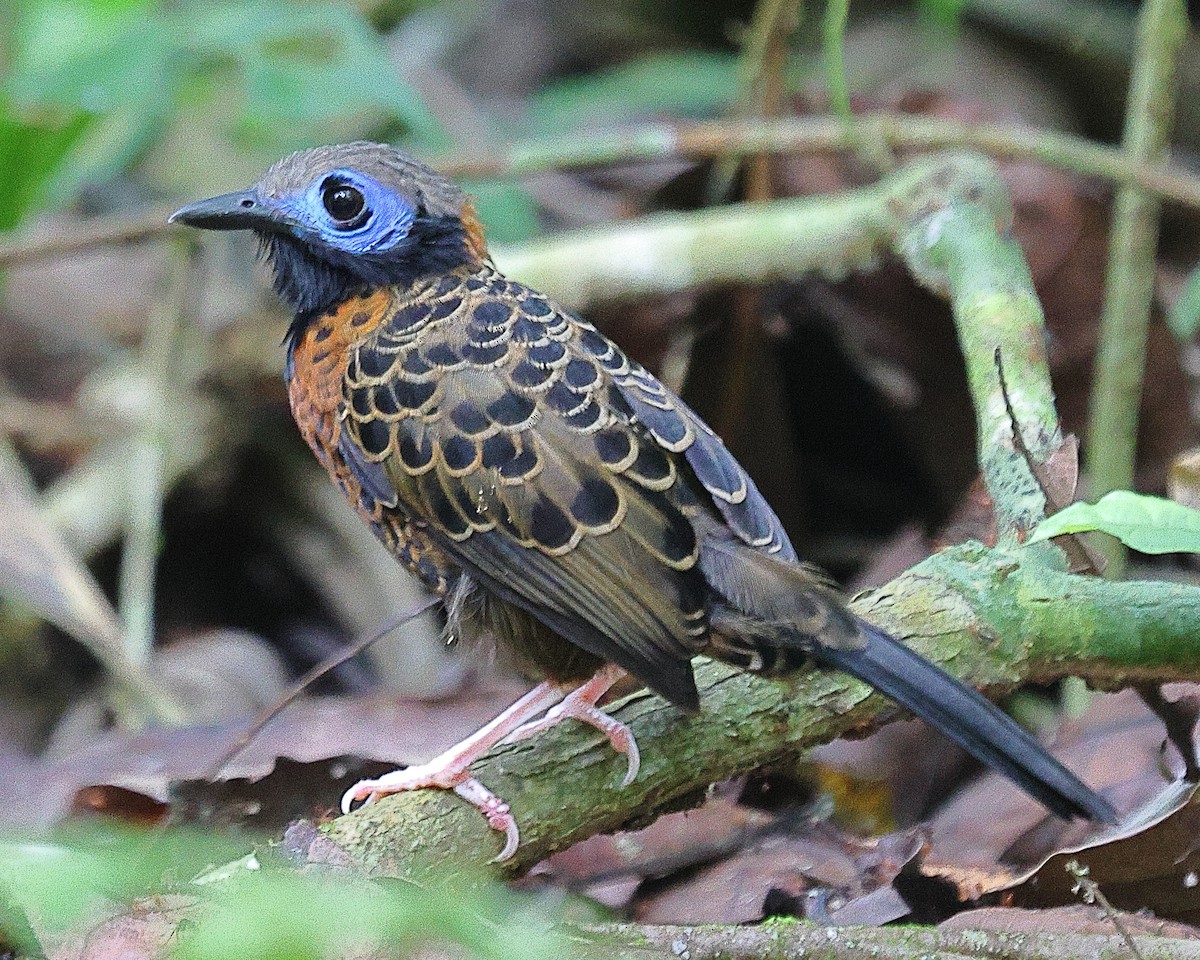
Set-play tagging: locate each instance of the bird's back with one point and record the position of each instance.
(475, 417)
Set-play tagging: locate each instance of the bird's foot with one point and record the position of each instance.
(580, 705)
(451, 770)
(444, 776)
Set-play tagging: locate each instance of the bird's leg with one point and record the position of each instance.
(580, 704)
(451, 770)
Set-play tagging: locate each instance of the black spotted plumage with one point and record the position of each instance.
(529, 454)
(518, 462)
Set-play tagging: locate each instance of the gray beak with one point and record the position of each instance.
(243, 210)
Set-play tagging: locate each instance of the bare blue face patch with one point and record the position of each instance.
(351, 212)
(338, 222)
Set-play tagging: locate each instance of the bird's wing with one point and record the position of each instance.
(489, 416)
(677, 428)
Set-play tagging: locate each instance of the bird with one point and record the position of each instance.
(567, 506)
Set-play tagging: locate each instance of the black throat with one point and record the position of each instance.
(313, 278)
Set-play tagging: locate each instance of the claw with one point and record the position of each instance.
(580, 705)
(398, 781)
(497, 813)
(455, 778)
(451, 770)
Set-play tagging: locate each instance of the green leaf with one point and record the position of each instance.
(1148, 524)
(947, 13)
(114, 63)
(30, 156)
(308, 64)
(62, 877)
(833, 34)
(283, 74)
(64, 880)
(107, 57)
(51, 38)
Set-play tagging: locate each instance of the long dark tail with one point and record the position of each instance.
(969, 719)
(778, 614)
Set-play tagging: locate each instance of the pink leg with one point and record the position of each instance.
(451, 770)
(580, 704)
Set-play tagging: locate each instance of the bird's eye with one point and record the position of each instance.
(345, 204)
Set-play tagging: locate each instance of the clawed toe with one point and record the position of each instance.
(427, 777)
(580, 705)
(618, 734)
(450, 771)
(497, 813)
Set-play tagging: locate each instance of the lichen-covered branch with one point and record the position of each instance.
(953, 230)
(738, 243)
(993, 617)
(784, 941)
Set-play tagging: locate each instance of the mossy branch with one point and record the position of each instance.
(785, 941)
(953, 228)
(995, 618)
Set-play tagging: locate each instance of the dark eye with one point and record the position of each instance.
(344, 203)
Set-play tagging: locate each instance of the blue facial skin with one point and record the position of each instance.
(319, 263)
(386, 220)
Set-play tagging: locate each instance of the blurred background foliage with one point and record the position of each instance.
(195, 95)
(111, 108)
(157, 508)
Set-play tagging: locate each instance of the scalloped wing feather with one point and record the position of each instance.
(512, 444)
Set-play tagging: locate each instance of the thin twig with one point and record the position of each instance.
(1086, 887)
(707, 139)
(759, 92)
(145, 476)
(803, 941)
(823, 134)
(85, 235)
(310, 677)
(1124, 324)
(833, 44)
(763, 62)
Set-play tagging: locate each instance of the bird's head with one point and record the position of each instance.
(341, 220)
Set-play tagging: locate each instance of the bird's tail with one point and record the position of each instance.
(779, 614)
(970, 720)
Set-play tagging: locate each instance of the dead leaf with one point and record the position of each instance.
(309, 731)
(219, 674)
(992, 839)
(121, 804)
(1076, 919)
(819, 874)
(673, 842)
(39, 572)
(1151, 864)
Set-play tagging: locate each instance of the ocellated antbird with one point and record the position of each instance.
(563, 501)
